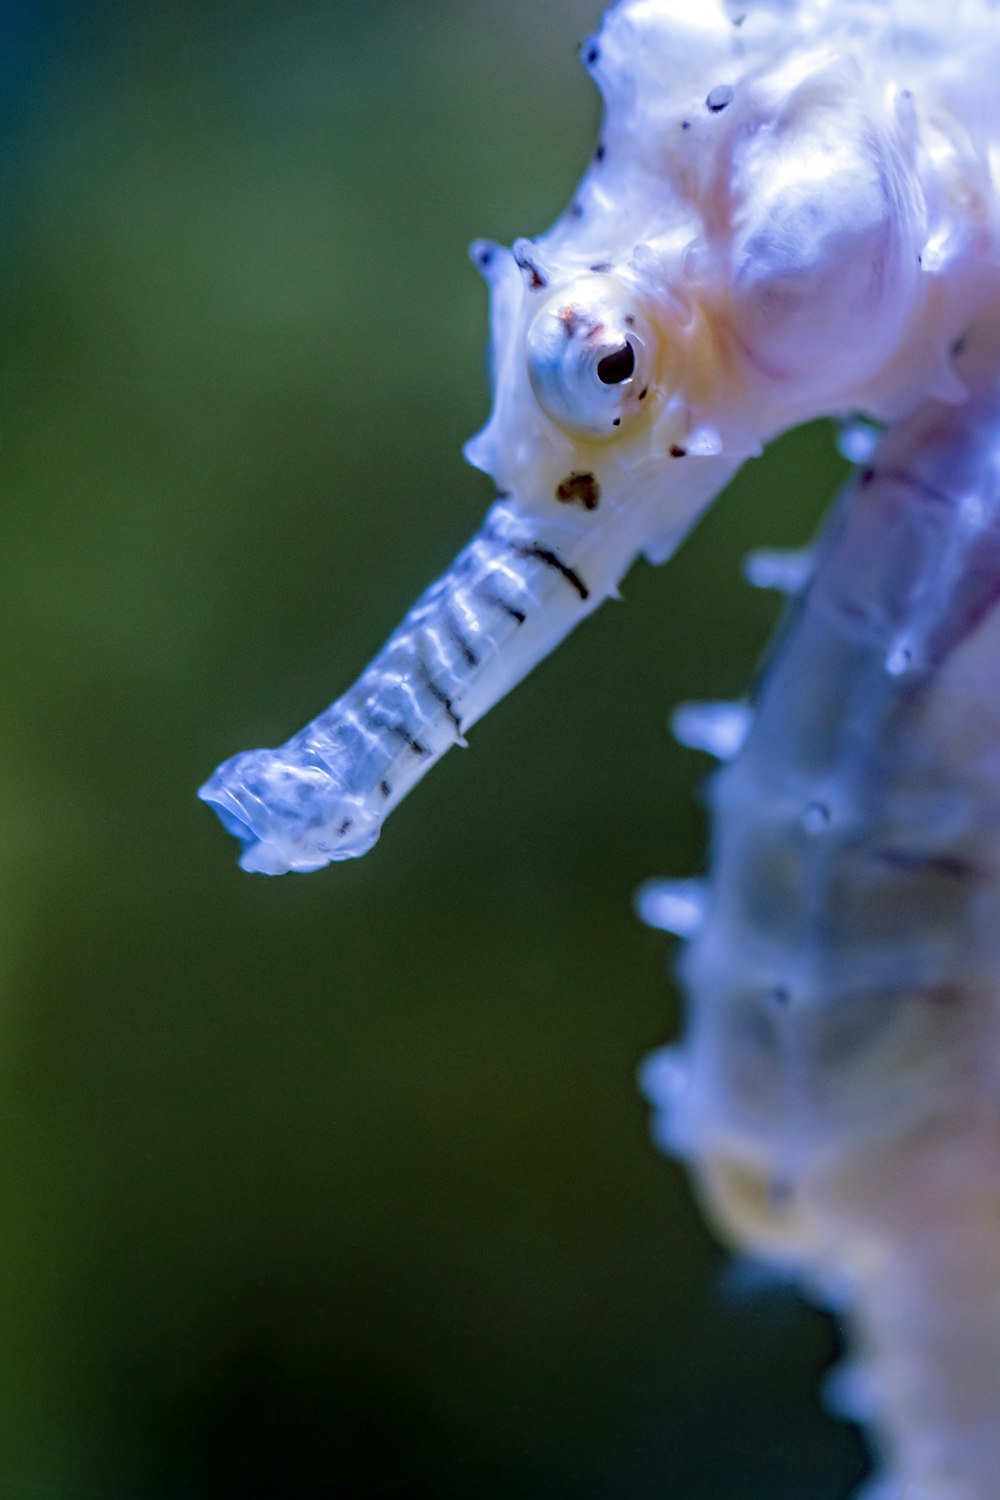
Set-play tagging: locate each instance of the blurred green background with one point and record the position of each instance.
(339, 1185)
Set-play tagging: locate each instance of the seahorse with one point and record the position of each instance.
(791, 213)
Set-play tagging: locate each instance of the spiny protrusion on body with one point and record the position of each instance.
(717, 728)
(786, 570)
(674, 906)
(857, 439)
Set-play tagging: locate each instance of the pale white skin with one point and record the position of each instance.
(792, 213)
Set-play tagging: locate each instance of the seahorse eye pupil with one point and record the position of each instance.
(618, 366)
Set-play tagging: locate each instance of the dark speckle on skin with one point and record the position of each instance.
(644, 393)
(685, 124)
(580, 489)
(600, 152)
(592, 54)
(576, 210)
(572, 319)
(601, 266)
(677, 451)
(485, 258)
(719, 98)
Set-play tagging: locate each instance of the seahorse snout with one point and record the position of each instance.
(289, 814)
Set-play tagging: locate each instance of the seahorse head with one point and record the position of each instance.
(745, 251)
(789, 214)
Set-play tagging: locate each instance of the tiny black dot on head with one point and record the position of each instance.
(593, 55)
(600, 152)
(867, 475)
(644, 393)
(485, 257)
(385, 789)
(617, 422)
(576, 210)
(602, 266)
(677, 451)
(685, 124)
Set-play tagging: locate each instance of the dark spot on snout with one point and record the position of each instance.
(591, 53)
(677, 451)
(580, 489)
(601, 266)
(600, 152)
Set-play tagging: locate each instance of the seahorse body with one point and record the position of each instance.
(837, 1094)
(791, 212)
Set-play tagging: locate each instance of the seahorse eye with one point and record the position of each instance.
(591, 357)
(617, 367)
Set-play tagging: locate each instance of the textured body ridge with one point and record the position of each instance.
(792, 212)
(837, 1092)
